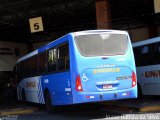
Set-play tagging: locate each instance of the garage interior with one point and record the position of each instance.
(60, 17)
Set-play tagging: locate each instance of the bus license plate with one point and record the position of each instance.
(107, 86)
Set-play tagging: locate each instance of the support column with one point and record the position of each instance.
(103, 14)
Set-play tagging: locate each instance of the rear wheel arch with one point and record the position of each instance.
(48, 102)
(45, 91)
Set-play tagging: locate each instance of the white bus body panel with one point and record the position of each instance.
(33, 90)
(149, 79)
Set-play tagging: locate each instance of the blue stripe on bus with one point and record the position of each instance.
(39, 92)
(40, 95)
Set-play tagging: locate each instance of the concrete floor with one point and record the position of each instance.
(123, 109)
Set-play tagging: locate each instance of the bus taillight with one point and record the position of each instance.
(133, 79)
(78, 84)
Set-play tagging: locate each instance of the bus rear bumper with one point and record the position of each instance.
(84, 97)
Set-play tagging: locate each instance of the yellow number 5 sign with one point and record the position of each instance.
(157, 6)
(36, 24)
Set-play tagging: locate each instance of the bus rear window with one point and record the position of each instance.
(102, 44)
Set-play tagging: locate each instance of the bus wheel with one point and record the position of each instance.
(140, 95)
(23, 96)
(48, 103)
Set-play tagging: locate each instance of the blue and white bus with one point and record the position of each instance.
(80, 67)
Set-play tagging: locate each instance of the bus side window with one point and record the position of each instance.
(63, 57)
(24, 68)
(52, 60)
(151, 55)
(157, 58)
(144, 54)
(42, 63)
(34, 66)
(19, 72)
(29, 67)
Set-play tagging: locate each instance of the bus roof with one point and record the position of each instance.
(146, 42)
(28, 56)
(98, 31)
(74, 34)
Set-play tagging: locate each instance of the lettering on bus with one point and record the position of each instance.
(155, 73)
(31, 84)
(95, 71)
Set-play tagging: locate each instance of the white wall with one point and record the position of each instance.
(7, 62)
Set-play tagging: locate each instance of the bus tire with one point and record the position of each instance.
(49, 107)
(140, 95)
(23, 96)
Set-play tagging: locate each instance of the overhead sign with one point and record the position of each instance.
(36, 24)
(157, 6)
